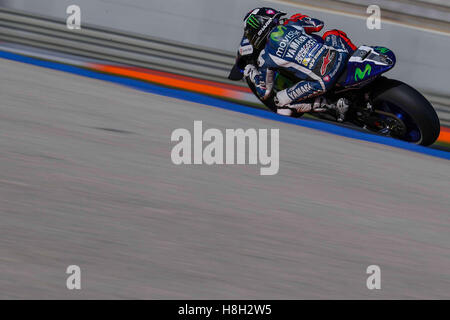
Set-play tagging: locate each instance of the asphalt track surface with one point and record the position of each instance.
(86, 179)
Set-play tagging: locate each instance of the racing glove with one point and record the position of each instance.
(263, 80)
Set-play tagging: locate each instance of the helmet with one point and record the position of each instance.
(258, 24)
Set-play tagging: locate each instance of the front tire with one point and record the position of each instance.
(419, 115)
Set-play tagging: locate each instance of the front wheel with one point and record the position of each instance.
(412, 116)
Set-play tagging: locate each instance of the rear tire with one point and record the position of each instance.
(411, 102)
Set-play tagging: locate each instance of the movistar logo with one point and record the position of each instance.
(359, 74)
(382, 50)
(276, 35)
(253, 22)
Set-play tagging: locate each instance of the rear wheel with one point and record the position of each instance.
(407, 113)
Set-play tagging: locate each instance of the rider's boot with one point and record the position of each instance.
(285, 112)
(317, 105)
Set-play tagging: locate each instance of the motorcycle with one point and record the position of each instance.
(380, 105)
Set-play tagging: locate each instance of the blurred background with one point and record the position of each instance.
(86, 176)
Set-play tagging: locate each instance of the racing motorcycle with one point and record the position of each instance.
(377, 104)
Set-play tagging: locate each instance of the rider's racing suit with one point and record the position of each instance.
(292, 47)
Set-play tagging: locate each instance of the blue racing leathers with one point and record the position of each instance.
(292, 47)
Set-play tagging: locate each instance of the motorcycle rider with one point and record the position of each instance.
(289, 44)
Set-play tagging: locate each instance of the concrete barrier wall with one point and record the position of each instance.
(422, 55)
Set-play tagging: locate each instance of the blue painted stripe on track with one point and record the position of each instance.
(198, 98)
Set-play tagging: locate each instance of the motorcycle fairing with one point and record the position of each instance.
(366, 64)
